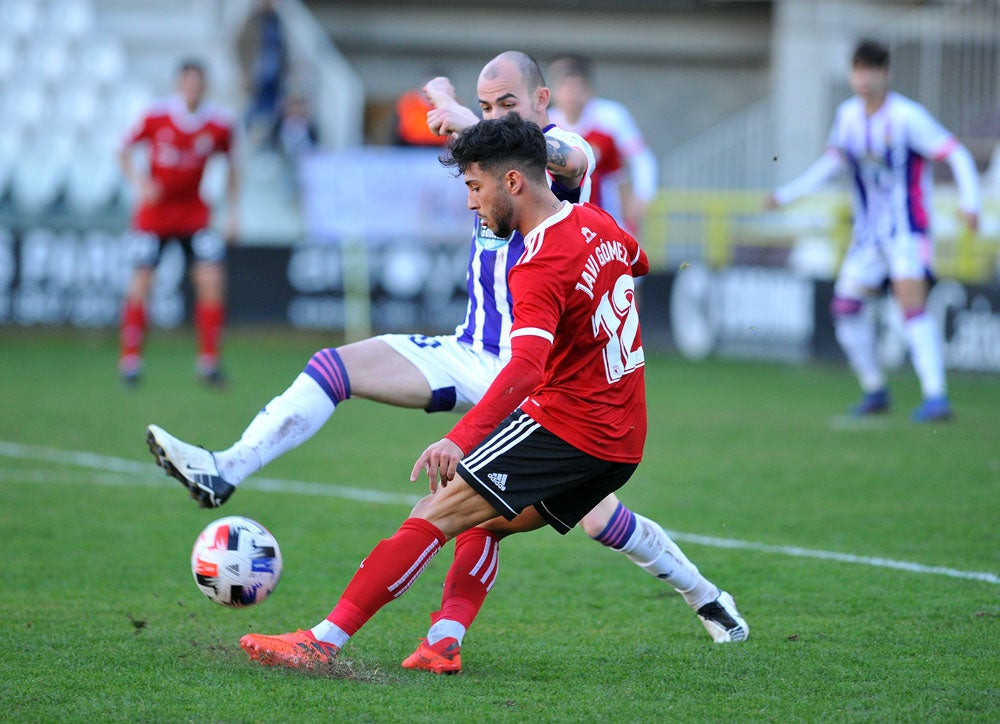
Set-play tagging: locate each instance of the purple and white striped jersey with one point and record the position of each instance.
(488, 317)
(888, 156)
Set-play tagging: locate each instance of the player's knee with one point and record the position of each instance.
(593, 523)
(843, 307)
(140, 284)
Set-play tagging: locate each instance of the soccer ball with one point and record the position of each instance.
(236, 561)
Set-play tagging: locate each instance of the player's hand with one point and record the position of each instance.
(971, 220)
(771, 202)
(634, 211)
(148, 191)
(452, 119)
(232, 230)
(439, 462)
(439, 91)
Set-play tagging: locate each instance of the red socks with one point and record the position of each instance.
(209, 318)
(133, 331)
(208, 321)
(471, 576)
(386, 573)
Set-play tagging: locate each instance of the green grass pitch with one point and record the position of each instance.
(864, 557)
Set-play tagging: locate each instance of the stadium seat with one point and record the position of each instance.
(102, 57)
(93, 180)
(77, 104)
(39, 177)
(48, 58)
(42, 163)
(25, 102)
(8, 59)
(71, 19)
(19, 18)
(126, 102)
(12, 138)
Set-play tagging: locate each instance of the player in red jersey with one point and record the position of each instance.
(625, 178)
(467, 363)
(181, 134)
(564, 422)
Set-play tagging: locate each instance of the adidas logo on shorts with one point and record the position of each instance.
(499, 480)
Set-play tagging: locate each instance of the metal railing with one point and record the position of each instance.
(945, 56)
(724, 227)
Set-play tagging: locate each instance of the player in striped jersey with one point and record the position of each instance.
(887, 142)
(450, 372)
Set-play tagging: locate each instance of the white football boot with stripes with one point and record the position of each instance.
(723, 621)
(193, 466)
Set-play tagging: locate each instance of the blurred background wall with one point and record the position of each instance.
(733, 97)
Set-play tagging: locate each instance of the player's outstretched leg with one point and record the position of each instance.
(647, 545)
(285, 423)
(193, 466)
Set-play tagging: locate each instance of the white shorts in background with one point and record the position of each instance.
(870, 265)
(458, 375)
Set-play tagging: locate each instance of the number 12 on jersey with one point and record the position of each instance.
(617, 316)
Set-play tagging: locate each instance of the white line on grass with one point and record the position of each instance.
(147, 469)
(144, 477)
(833, 556)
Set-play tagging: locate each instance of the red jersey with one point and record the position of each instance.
(608, 158)
(180, 144)
(573, 289)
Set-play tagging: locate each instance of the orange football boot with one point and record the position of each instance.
(444, 657)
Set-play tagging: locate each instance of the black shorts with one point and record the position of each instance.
(146, 248)
(521, 464)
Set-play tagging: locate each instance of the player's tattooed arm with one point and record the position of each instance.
(567, 163)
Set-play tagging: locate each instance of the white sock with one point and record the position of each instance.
(856, 334)
(285, 423)
(926, 353)
(651, 549)
(445, 628)
(330, 633)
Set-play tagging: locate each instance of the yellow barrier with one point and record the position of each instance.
(722, 227)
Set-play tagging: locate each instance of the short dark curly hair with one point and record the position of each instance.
(870, 54)
(499, 144)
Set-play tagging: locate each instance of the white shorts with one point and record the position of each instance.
(457, 374)
(869, 265)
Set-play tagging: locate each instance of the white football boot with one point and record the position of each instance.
(723, 621)
(193, 466)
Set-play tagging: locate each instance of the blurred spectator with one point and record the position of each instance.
(295, 133)
(180, 133)
(263, 56)
(293, 136)
(625, 179)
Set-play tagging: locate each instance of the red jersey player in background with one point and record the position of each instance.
(625, 178)
(563, 424)
(181, 133)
